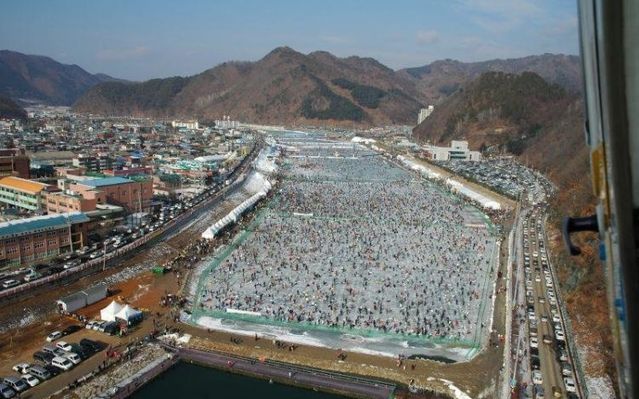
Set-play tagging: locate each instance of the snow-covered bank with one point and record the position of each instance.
(256, 183)
(455, 186)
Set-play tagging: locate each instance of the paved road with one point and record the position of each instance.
(305, 377)
(542, 298)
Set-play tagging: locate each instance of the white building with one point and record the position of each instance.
(192, 125)
(424, 113)
(458, 150)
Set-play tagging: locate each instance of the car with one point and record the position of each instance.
(556, 318)
(64, 346)
(544, 318)
(532, 316)
(98, 325)
(16, 383)
(6, 391)
(541, 299)
(563, 355)
(53, 336)
(556, 392)
(95, 254)
(53, 370)
(547, 339)
(90, 324)
(535, 363)
(39, 372)
(538, 278)
(74, 357)
(71, 329)
(62, 363)
(537, 377)
(30, 380)
(30, 277)
(93, 346)
(10, 283)
(21, 368)
(539, 392)
(566, 369)
(43, 357)
(534, 342)
(569, 383)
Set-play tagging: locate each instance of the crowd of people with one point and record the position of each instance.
(359, 243)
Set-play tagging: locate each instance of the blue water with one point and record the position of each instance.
(186, 380)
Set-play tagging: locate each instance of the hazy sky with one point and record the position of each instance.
(142, 39)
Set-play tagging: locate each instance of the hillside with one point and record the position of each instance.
(542, 124)
(42, 79)
(10, 110)
(442, 78)
(284, 86)
(316, 88)
(498, 110)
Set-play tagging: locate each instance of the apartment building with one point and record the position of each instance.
(33, 240)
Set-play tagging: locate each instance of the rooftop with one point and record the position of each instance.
(107, 181)
(24, 185)
(40, 223)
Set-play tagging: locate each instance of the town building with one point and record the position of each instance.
(14, 162)
(424, 113)
(33, 240)
(93, 163)
(24, 194)
(192, 125)
(65, 202)
(134, 195)
(458, 150)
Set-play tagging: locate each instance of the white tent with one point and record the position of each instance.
(109, 313)
(127, 313)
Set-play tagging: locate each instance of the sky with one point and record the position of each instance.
(144, 39)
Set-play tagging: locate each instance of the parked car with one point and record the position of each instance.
(21, 368)
(63, 345)
(40, 372)
(30, 380)
(74, 357)
(537, 377)
(534, 343)
(16, 383)
(43, 357)
(10, 283)
(559, 334)
(91, 345)
(569, 383)
(53, 336)
(6, 391)
(71, 329)
(62, 363)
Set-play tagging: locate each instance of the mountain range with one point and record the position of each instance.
(35, 78)
(285, 86)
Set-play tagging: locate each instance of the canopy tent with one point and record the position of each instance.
(109, 313)
(129, 314)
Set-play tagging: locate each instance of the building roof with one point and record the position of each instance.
(51, 155)
(107, 181)
(40, 223)
(24, 185)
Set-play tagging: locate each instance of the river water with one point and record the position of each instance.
(186, 380)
